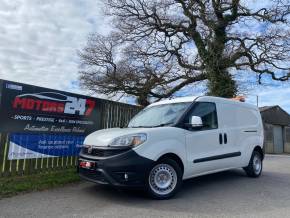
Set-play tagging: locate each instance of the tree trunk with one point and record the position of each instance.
(221, 83)
(143, 100)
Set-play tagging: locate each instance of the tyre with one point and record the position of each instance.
(164, 179)
(255, 167)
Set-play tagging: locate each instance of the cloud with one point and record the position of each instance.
(39, 40)
(272, 96)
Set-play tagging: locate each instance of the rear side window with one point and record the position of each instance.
(207, 112)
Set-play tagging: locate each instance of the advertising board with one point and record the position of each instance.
(44, 122)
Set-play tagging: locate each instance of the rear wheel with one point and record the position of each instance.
(164, 179)
(255, 167)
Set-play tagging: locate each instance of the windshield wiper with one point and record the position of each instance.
(163, 124)
(159, 125)
(140, 127)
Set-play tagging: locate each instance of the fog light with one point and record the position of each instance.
(126, 177)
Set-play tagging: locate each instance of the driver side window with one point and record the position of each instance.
(207, 112)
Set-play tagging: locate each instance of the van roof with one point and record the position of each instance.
(175, 100)
(203, 98)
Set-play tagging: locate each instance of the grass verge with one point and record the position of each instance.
(14, 185)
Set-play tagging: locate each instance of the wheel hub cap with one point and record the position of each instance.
(162, 179)
(257, 164)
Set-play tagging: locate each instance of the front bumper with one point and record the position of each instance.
(124, 170)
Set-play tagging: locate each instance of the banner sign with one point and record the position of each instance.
(28, 146)
(31, 109)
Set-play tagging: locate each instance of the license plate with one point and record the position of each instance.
(87, 164)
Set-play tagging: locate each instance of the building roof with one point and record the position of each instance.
(267, 108)
(275, 115)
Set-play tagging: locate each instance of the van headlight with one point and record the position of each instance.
(129, 140)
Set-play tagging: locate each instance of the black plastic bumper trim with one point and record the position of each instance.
(111, 170)
(218, 157)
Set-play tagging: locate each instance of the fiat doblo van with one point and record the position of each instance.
(173, 140)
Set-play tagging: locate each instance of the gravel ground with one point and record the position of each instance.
(227, 194)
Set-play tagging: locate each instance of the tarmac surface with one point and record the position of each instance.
(226, 194)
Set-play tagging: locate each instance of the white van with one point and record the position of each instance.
(174, 140)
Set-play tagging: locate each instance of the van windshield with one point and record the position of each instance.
(159, 115)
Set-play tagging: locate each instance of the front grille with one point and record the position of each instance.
(103, 152)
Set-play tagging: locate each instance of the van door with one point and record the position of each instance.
(232, 131)
(204, 144)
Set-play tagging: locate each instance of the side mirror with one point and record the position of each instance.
(196, 121)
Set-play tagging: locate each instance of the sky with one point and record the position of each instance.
(39, 40)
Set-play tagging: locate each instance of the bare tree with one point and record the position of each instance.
(160, 46)
(110, 67)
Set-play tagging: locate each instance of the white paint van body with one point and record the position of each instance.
(228, 145)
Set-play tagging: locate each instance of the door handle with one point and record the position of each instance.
(225, 138)
(221, 139)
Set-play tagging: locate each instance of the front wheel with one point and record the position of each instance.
(164, 179)
(254, 169)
